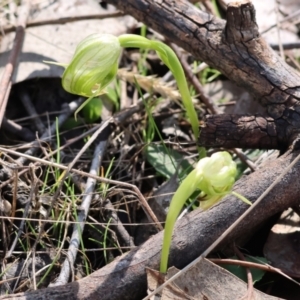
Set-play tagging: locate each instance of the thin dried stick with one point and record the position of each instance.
(64, 20)
(147, 209)
(241, 256)
(67, 111)
(32, 112)
(68, 222)
(117, 225)
(209, 7)
(15, 128)
(25, 214)
(278, 29)
(287, 18)
(64, 275)
(248, 264)
(119, 118)
(244, 158)
(286, 46)
(5, 84)
(140, 196)
(15, 191)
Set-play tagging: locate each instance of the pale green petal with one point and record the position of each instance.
(218, 172)
(206, 204)
(93, 65)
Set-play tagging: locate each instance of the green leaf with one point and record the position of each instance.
(167, 161)
(240, 271)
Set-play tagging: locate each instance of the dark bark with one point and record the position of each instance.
(234, 48)
(231, 131)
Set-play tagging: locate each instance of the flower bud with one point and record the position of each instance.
(218, 174)
(218, 171)
(214, 176)
(93, 66)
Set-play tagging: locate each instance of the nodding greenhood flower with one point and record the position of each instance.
(93, 66)
(214, 176)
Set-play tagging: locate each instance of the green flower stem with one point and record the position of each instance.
(214, 176)
(184, 191)
(170, 59)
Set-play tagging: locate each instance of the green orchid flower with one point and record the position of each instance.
(95, 64)
(214, 176)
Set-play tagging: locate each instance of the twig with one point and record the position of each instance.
(142, 200)
(241, 256)
(209, 6)
(246, 264)
(119, 118)
(5, 84)
(288, 18)
(24, 219)
(15, 128)
(117, 225)
(104, 126)
(84, 210)
(278, 29)
(64, 20)
(25, 214)
(244, 158)
(15, 191)
(67, 111)
(32, 112)
(286, 46)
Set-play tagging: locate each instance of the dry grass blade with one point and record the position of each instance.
(150, 84)
(5, 84)
(83, 214)
(141, 198)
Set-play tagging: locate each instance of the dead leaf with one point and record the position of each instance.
(282, 246)
(204, 281)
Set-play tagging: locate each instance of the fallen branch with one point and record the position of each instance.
(125, 277)
(236, 49)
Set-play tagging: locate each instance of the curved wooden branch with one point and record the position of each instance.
(235, 48)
